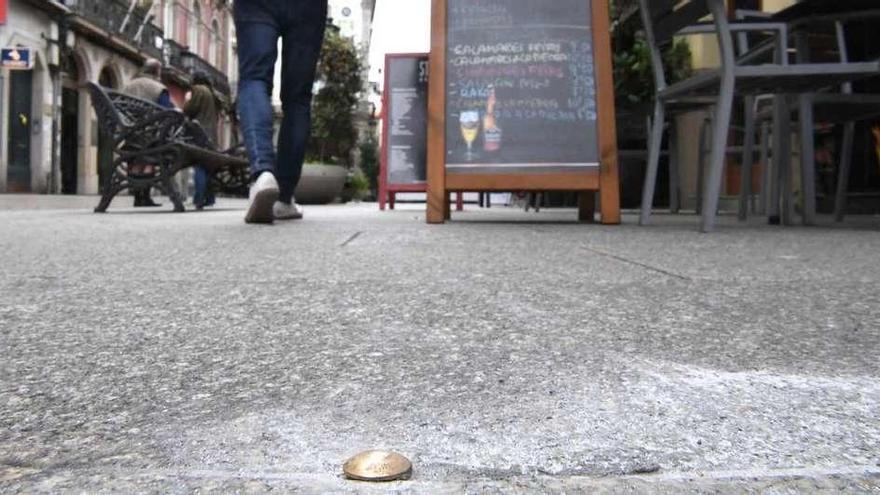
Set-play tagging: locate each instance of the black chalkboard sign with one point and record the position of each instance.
(520, 86)
(521, 98)
(406, 119)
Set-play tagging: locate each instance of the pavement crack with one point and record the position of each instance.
(351, 239)
(639, 264)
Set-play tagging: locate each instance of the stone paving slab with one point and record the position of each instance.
(145, 351)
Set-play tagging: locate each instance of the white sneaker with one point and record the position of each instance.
(264, 193)
(284, 211)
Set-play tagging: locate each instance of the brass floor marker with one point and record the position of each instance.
(378, 465)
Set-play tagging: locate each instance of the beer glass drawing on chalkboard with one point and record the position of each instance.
(470, 129)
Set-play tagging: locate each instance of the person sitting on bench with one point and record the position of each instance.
(147, 85)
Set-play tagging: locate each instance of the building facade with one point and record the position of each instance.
(50, 140)
(354, 18)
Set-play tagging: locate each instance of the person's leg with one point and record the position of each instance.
(200, 181)
(142, 197)
(257, 32)
(210, 195)
(257, 53)
(302, 34)
(182, 179)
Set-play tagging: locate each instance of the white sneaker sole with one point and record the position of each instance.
(260, 209)
(289, 217)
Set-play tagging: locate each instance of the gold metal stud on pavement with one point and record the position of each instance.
(378, 465)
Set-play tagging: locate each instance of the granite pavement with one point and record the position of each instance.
(505, 352)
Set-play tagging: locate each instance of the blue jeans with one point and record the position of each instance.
(202, 180)
(259, 24)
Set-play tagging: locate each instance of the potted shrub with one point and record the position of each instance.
(329, 156)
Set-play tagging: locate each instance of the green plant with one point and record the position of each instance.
(334, 136)
(633, 78)
(361, 184)
(369, 151)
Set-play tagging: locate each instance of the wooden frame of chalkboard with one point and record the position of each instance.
(585, 177)
(388, 187)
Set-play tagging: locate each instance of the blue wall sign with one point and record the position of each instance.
(16, 58)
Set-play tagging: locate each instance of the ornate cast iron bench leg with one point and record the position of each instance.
(116, 183)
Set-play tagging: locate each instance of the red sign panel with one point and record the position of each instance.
(3, 11)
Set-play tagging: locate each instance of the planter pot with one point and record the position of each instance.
(320, 184)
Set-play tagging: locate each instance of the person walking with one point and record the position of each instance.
(300, 26)
(202, 107)
(147, 85)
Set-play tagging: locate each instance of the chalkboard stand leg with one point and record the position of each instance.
(459, 201)
(587, 207)
(383, 199)
(392, 199)
(447, 208)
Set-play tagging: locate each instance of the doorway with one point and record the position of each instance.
(18, 173)
(70, 126)
(69, 139)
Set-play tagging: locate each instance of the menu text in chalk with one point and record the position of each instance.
(521, 98)
(520, 85)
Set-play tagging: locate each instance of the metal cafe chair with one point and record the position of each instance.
(664, 19)
(845, 107)
(835, 106)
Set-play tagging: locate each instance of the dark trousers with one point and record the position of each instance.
(203, 195)
(300, 26)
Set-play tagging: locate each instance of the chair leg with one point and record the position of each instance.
(776, 211)
(701, 163)
(654, 145)
(808, 159)
(748, 159)
(786, 176)
(720, 129)
(766, 169)
(849, 131)
(674, 186)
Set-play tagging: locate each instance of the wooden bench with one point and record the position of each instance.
(145, 133)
